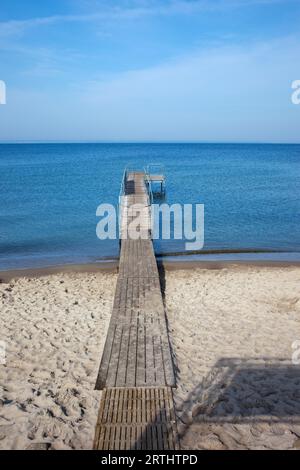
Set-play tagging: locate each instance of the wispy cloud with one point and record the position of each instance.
(133, 11)
(216, 84)
(225, 93)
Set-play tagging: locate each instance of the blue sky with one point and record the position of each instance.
(149, 70)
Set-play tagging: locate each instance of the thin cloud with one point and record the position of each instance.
(234, 93)
(148, 8)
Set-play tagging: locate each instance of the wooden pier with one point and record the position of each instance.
(136, 372)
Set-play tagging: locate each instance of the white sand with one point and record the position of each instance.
(54, 328)
(231, 332)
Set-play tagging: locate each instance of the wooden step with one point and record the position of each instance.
(136, 418)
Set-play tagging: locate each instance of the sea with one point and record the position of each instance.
(50, 192)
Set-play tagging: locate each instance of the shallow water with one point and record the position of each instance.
(50, 192)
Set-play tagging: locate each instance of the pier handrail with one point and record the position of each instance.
(149, 188)
(155, 169)
(155, 172)
(150, 196)
(121, 193)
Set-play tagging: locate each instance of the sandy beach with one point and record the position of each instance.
(54, 328)
(231, 333)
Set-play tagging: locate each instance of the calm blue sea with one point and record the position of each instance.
(49, 194)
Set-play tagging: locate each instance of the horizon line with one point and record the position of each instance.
(122, 142)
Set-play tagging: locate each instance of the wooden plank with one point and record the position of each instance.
(130, 378)
(140, 353)
(137, 351)
(112, 370)
(106, 357)
(123, 356)
(137, 259)
(117, 438)
(151, 429)
(137, 336)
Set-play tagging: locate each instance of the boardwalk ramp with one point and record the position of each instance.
(136, 371)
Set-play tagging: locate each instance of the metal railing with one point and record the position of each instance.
(120, 205)
(155, 169)
(149, 195)
(158, 170)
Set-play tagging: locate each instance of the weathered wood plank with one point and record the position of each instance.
(137, 351)
(146, 429)
(106, 357)
(137, 346)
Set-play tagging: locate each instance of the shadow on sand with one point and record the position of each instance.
(238, 391)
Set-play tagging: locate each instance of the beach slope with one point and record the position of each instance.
(232, 332)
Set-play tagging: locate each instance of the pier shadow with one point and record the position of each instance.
(245, 391)
(238, 391)
(162, 280)
(129, 187)
(159, 196)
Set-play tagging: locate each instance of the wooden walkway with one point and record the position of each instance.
(136, 418)
(136, 370)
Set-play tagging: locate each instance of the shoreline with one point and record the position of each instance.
(101, 267)
(111, 267)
